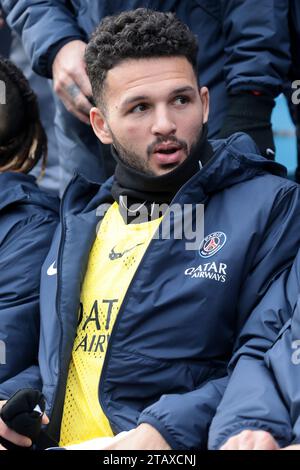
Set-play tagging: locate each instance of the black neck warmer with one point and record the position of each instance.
(140, 188)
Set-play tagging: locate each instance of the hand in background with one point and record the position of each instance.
(12, 436)
(251, 440)
(70, 80)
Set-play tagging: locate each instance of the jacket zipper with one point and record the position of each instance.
(57, 301)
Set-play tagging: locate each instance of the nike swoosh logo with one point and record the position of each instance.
(114, 255)
(51, 271)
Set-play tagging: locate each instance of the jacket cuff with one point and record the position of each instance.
(158, 425)
(247, 110)
(56, 48)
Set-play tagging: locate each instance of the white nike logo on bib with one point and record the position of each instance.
(51, 271)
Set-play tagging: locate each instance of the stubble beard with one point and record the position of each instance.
(135, 161)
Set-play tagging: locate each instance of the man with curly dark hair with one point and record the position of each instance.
(137, 325)
(138, 35)
(142, 36)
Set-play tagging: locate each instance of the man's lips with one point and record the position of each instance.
(168, 153)
(167, 146)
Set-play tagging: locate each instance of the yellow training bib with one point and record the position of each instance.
(114, 258)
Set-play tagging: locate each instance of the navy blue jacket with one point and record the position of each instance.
(168, 353)
(263, 391)
(244, 45)
(28, 218)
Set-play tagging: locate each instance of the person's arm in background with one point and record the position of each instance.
(257, 52)
(56, 45)
(252, 414)
(22, 254)
(11, 435)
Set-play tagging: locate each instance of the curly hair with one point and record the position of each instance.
(22, 138)
(136, 34)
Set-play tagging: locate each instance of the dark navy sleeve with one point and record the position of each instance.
(253, 399)
(257, 45)
(283, 361)
(44, 26)
(183, 420)
(28, 378)
(21, 257)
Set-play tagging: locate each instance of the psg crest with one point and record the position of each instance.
(212, 244)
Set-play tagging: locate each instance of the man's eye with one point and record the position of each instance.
(181, 100)
(139, 108)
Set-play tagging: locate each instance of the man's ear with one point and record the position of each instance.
(100, 126)
(204, 95)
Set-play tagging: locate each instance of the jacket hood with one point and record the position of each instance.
(235, 160)
(17, 187)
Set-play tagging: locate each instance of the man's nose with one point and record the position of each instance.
(163, 123)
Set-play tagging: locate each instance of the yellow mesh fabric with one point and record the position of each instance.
(114, 258)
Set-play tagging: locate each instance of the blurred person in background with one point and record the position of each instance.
(12, 48)
(28, 218)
